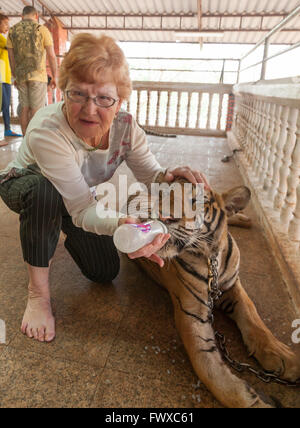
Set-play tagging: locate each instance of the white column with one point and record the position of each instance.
(268, 140)
(262, 139)
(292, 181)
(274, 142)
(248, 127)
(158, 108)
(294, 229)
(279, 153)
(287, 154)
(187, 123)
(259, 118)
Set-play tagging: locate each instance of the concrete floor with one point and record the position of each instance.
(116, 343)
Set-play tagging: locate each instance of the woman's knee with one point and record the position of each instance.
(97, 258)
(42, 194)
(104, 275)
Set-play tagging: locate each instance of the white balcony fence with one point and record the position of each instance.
(266, 127)
(181, 108)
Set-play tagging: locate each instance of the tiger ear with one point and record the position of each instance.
(236, 199)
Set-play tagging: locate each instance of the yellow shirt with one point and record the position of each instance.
(5, 72)
(39, 76)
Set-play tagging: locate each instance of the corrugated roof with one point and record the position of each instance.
(243, 21)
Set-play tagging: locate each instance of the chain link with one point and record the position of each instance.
(214, 294)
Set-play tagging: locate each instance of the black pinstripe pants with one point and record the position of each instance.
(42, 217)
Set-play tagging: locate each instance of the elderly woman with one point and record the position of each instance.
(70, 147)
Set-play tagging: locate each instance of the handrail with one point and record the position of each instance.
(290, 48)
(266, 41)
(180, 86)
(277, 28)
(181, 58)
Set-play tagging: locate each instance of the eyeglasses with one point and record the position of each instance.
(100, 100)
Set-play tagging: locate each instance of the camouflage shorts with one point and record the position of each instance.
(32, 94)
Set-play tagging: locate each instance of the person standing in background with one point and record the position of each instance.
(5, 77)
(29, 43)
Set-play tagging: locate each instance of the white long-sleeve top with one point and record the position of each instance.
(67, 162)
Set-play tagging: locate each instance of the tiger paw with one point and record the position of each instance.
(277, 358)
(240, 220)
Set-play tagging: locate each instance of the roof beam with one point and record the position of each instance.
(166, 15)
(226, 30)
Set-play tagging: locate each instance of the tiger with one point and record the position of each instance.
(186, 277)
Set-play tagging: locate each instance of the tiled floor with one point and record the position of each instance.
(116, 343)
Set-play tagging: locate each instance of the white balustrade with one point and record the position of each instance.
(267, 128)
(181, 108)
(273, 142)
(286, 159)
(291, 211)
(279, 152)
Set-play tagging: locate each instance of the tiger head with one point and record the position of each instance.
(202, 231)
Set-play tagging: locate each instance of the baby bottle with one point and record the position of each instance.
(131, 237)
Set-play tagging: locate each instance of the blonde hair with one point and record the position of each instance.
(90, 57)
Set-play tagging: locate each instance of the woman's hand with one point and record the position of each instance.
(193, 176)
(148, 250)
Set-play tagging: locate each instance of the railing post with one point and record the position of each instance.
(262, 138)
(157, 108)
(287, 153)
(293, 180)
(179, 98)
(138, 106)
(168, 114)
(229, 119)
(265, 57)
(279, 152)
(188, 110)
(267, 145)
(294, 229)
(274, 142)
(148, 107)
(209, 111)
(199, 109)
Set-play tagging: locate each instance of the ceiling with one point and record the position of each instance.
(240, 21)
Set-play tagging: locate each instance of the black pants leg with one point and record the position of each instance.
(96, 255)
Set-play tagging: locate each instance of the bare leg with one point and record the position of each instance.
(32, 112)
(38, 321)
(24, 119)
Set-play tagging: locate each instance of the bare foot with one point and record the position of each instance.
(38, 320)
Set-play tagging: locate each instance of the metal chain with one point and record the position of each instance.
(214, 294)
